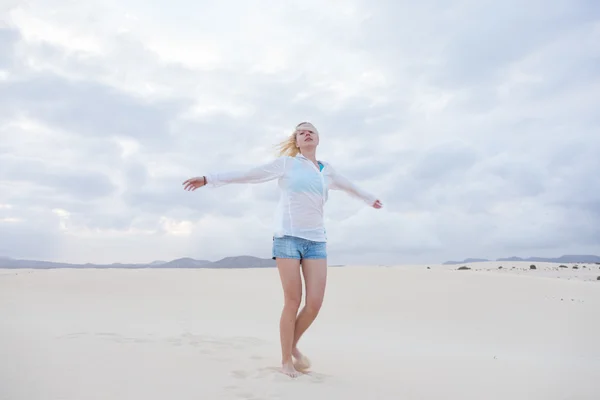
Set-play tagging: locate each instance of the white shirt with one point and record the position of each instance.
(303, 192)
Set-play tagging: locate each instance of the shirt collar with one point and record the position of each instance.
(299, 155)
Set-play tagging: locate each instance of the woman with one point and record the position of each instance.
(299, 238)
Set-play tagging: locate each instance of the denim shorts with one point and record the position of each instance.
(298, 248)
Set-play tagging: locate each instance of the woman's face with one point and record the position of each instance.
(306, 138)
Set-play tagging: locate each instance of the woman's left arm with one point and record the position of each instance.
(340, 182)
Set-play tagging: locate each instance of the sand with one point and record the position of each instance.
(401, 332)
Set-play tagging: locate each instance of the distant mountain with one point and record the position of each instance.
(511, 259)
(244, 262)
(184, 263)
(466, 261)
(229, 262)
(561, 259)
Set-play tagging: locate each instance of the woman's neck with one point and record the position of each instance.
(310, 154)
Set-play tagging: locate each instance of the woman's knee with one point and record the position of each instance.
(313, 304)
(289, 270)
(293, 300)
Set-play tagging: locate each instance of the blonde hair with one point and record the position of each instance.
(288, 146)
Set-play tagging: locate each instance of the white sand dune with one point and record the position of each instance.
(403, 332)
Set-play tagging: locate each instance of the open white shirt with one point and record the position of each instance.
(303, 192)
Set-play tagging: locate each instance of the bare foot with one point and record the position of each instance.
(302, 362)
(289, 370)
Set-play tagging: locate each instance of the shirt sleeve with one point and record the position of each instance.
(262, 173)
(340, 182)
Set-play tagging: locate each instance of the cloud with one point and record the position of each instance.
(100, 110)
(67, 182)
(475, 123)
(8, 38)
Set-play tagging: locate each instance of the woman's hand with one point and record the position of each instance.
(377, 204)
(194, 183)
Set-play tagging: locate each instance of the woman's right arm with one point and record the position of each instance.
(262, 173)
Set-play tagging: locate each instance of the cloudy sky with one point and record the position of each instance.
(476, 122)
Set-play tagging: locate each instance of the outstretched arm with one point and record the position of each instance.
(262, 173)
(340, 182)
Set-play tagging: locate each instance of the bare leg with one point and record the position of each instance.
(291, 281)
(315, 278)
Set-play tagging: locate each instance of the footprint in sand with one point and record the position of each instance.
(275, 373)
(74, 335)
(257, 374)
(121, 339)
(257, 384)
(219, 344)
(316, 377)
(240, 374)
(106, 336)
